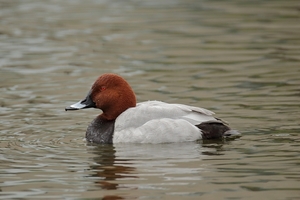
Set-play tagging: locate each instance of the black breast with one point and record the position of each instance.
(100, 131)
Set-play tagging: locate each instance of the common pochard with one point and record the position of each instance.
(125, 121)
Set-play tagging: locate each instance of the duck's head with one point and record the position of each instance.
(110, 93)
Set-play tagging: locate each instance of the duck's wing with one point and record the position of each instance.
(194, 109)
(155, 110)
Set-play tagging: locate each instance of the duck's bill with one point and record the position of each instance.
(86, 103)
(76, 106)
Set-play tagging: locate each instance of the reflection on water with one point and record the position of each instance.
(108, 169)
(239, 59)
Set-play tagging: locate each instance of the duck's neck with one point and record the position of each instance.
(121, 102)
(112, 114)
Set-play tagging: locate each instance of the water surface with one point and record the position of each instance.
(239, 59)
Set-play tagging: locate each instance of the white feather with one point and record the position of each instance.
(159, 122)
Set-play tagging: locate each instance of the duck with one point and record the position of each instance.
(123, 120)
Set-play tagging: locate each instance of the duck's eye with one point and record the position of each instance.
(103, 88)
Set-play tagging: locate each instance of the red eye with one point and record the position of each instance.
(103, 88)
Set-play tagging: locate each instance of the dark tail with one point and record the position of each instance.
(215, 130)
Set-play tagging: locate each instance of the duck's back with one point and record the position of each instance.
(159, 122)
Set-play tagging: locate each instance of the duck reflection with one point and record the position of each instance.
(108, 169)
(215, 147)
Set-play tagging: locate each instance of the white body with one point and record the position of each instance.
(159, 122)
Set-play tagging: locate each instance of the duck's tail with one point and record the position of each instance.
(216, 130)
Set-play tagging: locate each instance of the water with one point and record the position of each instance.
(239, 59)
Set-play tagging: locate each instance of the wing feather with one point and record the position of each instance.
(151, 110)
